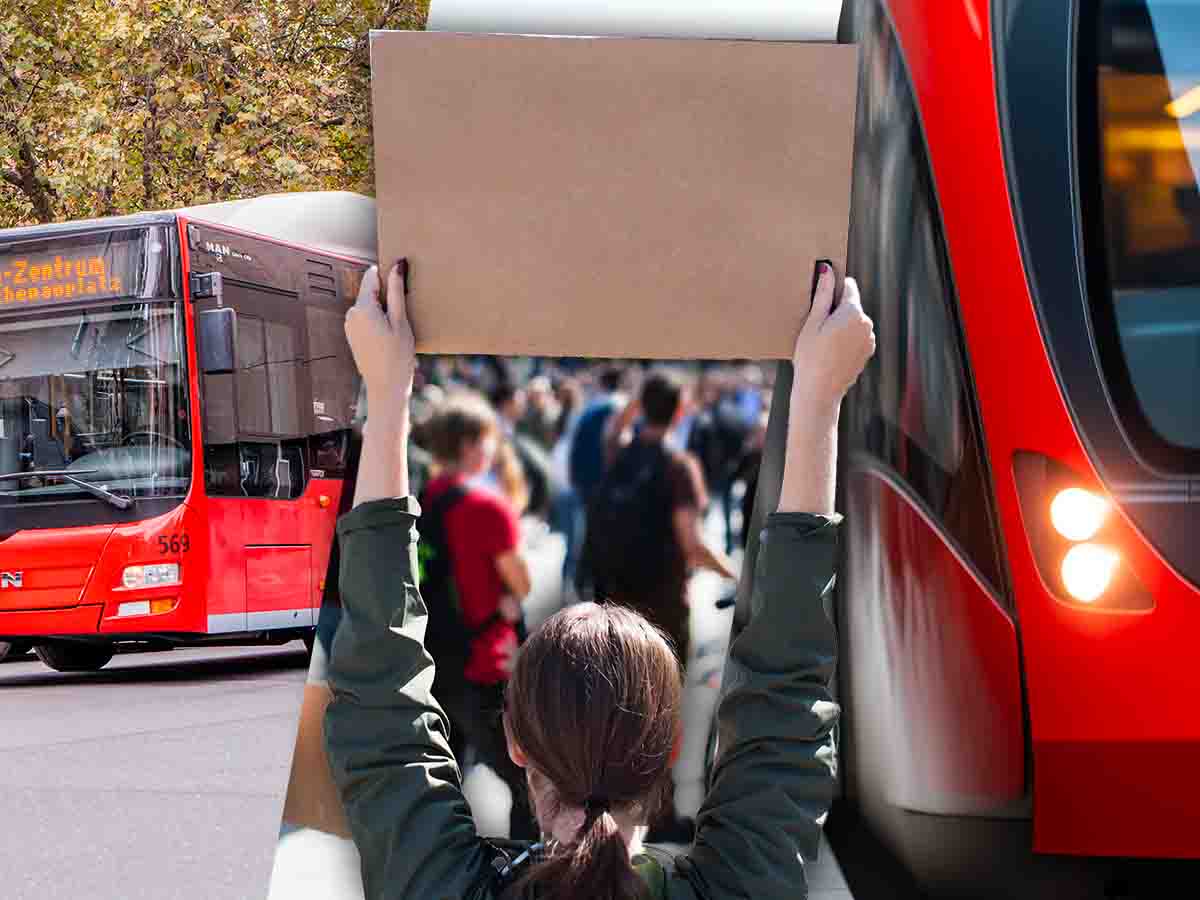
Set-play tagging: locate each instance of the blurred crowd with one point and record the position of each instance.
(626, 460)
(550, 419)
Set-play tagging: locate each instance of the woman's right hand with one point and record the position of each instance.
(833, 347)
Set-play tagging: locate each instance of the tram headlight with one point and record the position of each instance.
(1075, 539)
(1088, 570)
(1078, 514)
(157, 575)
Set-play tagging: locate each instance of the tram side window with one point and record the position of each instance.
(913, 410)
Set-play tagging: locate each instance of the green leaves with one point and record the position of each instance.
(131, 104)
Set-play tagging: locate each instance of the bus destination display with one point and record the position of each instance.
(100, 270)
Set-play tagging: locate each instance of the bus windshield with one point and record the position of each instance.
(1149, 107)
(98, 396)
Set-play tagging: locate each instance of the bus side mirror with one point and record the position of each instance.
(216, 341)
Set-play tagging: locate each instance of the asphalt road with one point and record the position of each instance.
(160, 777)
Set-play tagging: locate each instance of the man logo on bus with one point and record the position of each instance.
(220, 251)
(11, 579)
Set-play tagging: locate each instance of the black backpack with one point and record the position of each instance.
(447, 637)
(630, 524)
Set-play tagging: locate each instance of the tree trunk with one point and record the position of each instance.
(25, 179)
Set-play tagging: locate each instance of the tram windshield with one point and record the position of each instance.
(1149, 117)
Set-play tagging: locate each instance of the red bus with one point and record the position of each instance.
(176, 406)
(1020, 468)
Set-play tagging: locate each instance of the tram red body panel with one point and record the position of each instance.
(953, 658)
(1112, 697)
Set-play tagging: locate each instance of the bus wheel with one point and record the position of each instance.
(14, 649)
(74, 657)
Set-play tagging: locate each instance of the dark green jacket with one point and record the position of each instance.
(386, 736)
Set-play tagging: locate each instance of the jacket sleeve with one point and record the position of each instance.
(775, 774)
(385, 735)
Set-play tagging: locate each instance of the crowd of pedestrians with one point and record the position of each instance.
(623, 460)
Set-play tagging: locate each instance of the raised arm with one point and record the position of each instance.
(385, 735)
(618, 430)
(775, 774)
(385, 353)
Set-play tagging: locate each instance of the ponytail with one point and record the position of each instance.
(593, 705)
(595, 867)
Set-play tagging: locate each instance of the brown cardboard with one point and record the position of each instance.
(611, 197)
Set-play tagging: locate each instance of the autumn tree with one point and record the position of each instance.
(114, 106)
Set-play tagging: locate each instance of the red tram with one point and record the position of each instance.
(176, 404)
(1021, 460)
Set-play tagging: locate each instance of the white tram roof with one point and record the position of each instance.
(339, 222)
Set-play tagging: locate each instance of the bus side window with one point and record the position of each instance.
(331, 368)
(328, 453)
(264, 448)
(222, 471)
(283, 376)
(254, 409)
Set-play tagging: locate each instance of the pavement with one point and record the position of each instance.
(158, 778)
(312, 865)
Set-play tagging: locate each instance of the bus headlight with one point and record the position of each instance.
(156, 575)
(1078, 514)
(1075, 539)
(1088, 570)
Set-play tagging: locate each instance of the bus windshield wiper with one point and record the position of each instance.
(95, 490)
(45, 473)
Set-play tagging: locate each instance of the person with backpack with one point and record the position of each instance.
(473, 578)
(592, 708)
(644, 531)
(644, 520)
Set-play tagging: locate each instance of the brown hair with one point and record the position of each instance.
(594, 704)
(662, 393)
(460, 419)
(512, 477)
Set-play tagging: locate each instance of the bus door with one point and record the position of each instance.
(255, 428)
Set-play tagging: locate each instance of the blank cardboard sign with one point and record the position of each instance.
(611, 197)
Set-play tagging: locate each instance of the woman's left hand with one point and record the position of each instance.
(382, 342)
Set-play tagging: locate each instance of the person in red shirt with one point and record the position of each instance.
(491, 578)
